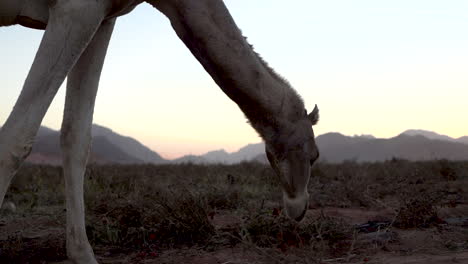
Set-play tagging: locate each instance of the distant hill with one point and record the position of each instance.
(433, 135)
(463, 139)
(107, 147)
(338, 148)
(192, 159)
(247, 153)
(413, 144)
(335, 148)
(128, 145)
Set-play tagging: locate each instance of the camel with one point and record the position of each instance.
(77, 33)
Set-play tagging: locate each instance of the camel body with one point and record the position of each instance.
(77, 34)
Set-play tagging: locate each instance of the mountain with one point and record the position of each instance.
(107, 147)
(104, 151)
(110, 147)
(128, 145)
(336, 147)
(463, 139)
(427, 134)
(45, 131)
(247, 153)
(217, 156)
(46, 147)
(366, 136)
(433, 135)
(192, 159)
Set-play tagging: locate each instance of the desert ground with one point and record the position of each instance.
(389, 212)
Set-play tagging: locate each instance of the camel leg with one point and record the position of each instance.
(71, 25)
(75, 139)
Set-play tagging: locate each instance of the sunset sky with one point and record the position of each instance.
(373, 67)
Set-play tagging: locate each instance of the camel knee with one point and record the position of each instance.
(11, 157)
(21, 152)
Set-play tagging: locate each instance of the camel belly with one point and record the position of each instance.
(122, 7)
(35, 13)
(9, 10)
(29, 13)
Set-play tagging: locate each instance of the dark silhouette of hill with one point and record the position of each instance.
(107, 147)
(410, 145)
(192, 159)
(104, 151)
(433, 135)
(247, 153)
(335, 147)
(413, 144)
(463, 139)
(427, 134)
(129, 145)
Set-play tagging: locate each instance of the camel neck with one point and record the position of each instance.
(210, 33)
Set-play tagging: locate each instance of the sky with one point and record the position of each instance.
(372, 67)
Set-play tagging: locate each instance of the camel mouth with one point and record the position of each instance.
(301, 216)
(296, 208)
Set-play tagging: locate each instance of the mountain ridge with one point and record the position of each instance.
(128, 145)
(412, 144)
(107, 147)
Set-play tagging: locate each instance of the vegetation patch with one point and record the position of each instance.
(150, 208)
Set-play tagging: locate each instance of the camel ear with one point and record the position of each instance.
(314, 115)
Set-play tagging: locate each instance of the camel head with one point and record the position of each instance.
(291, 154)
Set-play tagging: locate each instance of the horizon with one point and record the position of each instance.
(253, 143)
(371, 67)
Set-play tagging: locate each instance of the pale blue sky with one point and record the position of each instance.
(373, 67)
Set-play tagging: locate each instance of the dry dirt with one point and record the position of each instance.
(42, 235)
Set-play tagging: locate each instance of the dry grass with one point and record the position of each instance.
(170, 206)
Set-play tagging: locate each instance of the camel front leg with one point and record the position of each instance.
(75, 139)
(71, 25)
